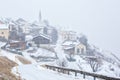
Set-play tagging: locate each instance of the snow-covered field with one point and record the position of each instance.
(9, 55)
(43, 53)
(35, 72)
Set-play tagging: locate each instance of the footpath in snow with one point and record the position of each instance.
(35, 72)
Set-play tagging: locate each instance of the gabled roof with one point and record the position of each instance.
(3, 26)
(20, 20)
(28, 37)
(67, 48)
(43, 35)
(15, 41)
(68, 43)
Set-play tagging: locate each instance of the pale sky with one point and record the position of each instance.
(98, 19)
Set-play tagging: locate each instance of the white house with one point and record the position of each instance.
(73, 47)
(68, 35)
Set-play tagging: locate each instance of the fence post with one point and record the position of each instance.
(54, 69)
(94, 78)
(58, 69)
(62, 70)
(84, 76)
(68, 72)
(75, 73)
(47, 67)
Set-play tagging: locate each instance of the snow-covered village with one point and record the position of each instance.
(38, 50)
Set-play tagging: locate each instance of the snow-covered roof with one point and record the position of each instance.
(3, 26)
(12, 23)
(43, 35)
(28, 37)
(15, 41)
(39, 24)
(20, 20)
(67, 43)
(71, 44)
(71, 47)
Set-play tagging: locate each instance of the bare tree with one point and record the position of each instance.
(62, 63)
(95, 63)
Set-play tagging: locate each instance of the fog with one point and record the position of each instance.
(99, 20)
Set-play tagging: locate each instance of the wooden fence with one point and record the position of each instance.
(84, 73)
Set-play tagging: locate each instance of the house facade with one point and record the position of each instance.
(80, 49)
(20, 45)
(73, 47)
(68, 35)
(41, 40)
(26, 28)
(4, 31)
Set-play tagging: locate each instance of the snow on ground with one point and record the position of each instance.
(59, 50)
(109, 69)
(35, 72)
(2, 44)
(9, 55)
(43, 53)
(12, 56)
(79, 64)
(109, 56)
(27, 56)
(38, 54)
(32, 72)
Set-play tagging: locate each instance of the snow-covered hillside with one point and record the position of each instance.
(35, 72)
(109, 63)
(80, 56)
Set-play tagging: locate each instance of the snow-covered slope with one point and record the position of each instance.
(35, 72)
(110, 63)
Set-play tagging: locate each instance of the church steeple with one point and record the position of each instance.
(40, 16)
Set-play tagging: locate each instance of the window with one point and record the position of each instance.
(2, 33)
(82, 50)
(78, 51)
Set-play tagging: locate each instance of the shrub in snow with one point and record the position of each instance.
(70, 57)
(111, 68)
(62, 62)
(95, 63)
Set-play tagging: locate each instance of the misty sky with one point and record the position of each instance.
(98, 19)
